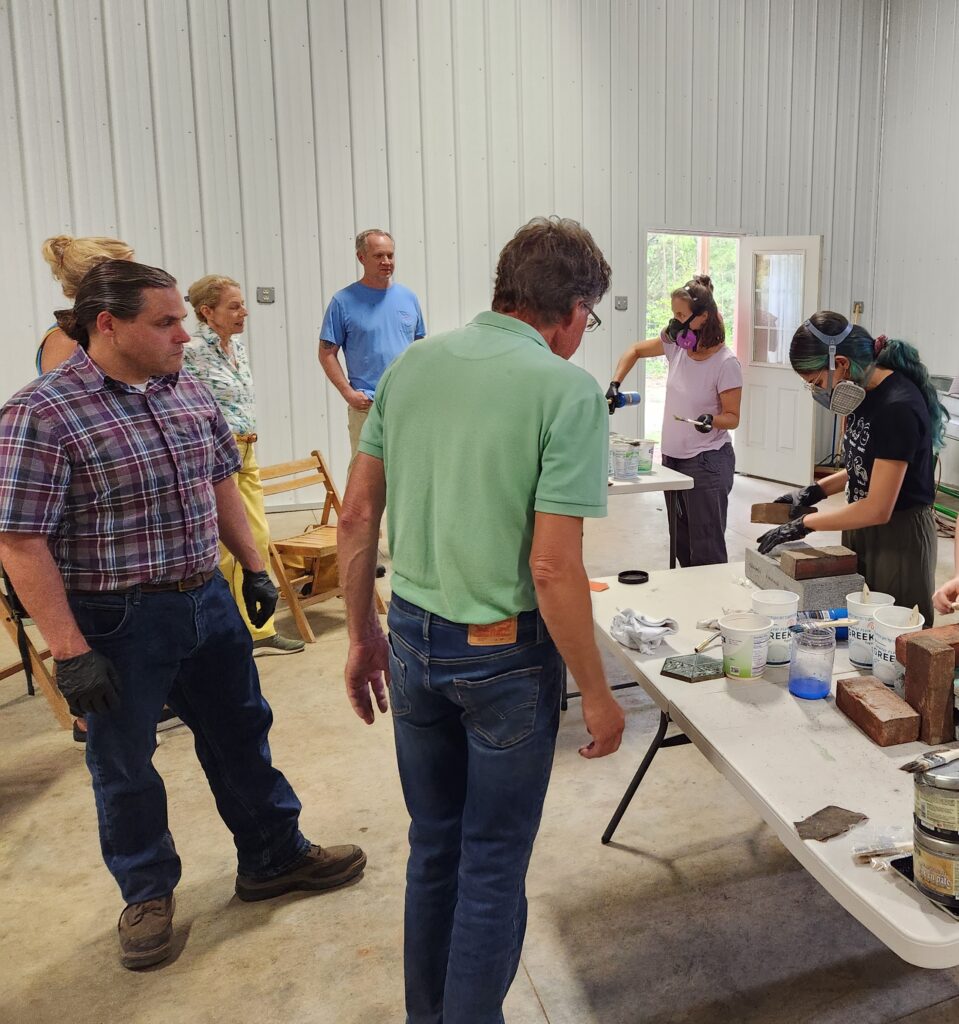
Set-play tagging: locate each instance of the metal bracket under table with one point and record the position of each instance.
(659, 740)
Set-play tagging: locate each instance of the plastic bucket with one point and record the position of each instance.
(782, 607)
(745, 637)
(625, 460)
(645, 449)
(860, 635)
(889, 622)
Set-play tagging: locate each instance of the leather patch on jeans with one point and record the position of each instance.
(493, 634)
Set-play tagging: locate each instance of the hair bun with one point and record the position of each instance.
(705, 280)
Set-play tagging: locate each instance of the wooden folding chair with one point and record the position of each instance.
(307, 562)
(31, 660)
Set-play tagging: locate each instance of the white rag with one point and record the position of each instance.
(638, 631)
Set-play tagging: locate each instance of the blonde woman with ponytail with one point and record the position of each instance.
(69, 260)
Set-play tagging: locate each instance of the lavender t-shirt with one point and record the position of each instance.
(692, 388)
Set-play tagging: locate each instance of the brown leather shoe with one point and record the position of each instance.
(323, 867)
(146, 931)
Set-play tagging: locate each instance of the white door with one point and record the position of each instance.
(778, 288)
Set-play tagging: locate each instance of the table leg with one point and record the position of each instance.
(659, 740)
(671, 499)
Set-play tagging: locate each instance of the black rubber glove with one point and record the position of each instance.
(793, 530)
(612, 393)
(259, 596)
(809, 495)
(704, 423)
(88, 682)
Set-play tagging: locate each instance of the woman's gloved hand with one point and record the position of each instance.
(612, 393)
(704, 423)
(808, 496)
(793, 530)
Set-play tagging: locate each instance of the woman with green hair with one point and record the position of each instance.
(894, 426)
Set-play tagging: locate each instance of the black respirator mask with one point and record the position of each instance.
(843, 398)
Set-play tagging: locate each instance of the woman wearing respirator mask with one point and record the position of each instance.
(705, 384)
(894, 424)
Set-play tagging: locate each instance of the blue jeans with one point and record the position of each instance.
(192, 651)
(475, 732)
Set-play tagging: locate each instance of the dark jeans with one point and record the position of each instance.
(697, 518)
(475, 731)
(192, 651)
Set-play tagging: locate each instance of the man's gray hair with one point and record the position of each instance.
(548, 266)
(364, 235)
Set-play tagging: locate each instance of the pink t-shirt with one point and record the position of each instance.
(693, 388)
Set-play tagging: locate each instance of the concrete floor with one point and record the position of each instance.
(697, 914)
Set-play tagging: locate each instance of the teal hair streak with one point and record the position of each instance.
(903, 358)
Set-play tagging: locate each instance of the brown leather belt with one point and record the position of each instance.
(245, 438)
(190, 583)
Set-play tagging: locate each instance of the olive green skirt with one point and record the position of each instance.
(899, 557)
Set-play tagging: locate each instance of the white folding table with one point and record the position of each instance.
(787, 757)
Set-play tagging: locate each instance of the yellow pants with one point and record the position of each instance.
(251, 490)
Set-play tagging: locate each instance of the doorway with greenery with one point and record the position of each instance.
(671, 260)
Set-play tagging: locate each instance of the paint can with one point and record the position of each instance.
(935, 866)
(937, 801)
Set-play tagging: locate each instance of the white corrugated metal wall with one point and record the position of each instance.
(917, 262)
(255, 138)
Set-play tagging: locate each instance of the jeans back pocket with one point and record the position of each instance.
(399, 702)
(501, 709)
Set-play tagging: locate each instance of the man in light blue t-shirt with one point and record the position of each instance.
(373, 320)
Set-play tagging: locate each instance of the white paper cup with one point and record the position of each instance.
(745, 637)
(860, 635)
(781, 606)
(888, 623)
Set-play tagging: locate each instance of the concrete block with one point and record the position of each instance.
(814, 595)
(881, 714)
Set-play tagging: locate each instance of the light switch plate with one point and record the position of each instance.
(621, 302)
(266, 295)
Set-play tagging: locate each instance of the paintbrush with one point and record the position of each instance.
(865, 856)
(930, 759)
(686, 419)
(914, 619)
(801, 627)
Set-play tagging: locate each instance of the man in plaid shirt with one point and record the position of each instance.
(115, 484)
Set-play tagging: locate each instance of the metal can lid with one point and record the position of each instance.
(945, 776)
(933, 844)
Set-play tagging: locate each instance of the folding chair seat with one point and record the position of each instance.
(306, 566)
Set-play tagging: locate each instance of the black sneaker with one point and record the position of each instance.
(323, 867)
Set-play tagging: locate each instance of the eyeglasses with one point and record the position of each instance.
(592, 321)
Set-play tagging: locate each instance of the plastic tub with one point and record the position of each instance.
(889, 622)
(781, 606)
(860, 635)
(745, 637)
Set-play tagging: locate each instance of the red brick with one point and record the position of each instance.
(947, 634)
(808, 563)
(773, 513)
(929, 690)
(882, 715)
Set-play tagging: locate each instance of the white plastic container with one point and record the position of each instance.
(860, 635)
(888, 623)
(625, 458)
(782, 607)
(745, 637)
(645, 449)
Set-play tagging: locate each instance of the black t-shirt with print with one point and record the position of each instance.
(892, 423)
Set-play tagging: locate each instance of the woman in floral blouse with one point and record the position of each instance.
(217, 356)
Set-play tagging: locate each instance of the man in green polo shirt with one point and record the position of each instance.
(486, 451)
